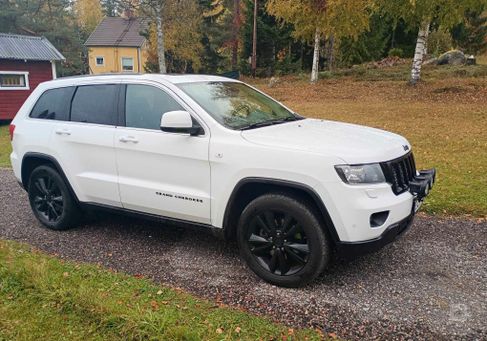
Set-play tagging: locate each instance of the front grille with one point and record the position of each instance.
(399, 172)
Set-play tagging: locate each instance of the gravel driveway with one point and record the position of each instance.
(431, 284)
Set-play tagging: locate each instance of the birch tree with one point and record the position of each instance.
(161, 52)
(153, 10)
(315, 20)
(422, 13)
(180, 24)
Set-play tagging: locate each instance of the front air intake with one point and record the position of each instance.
(379, 218)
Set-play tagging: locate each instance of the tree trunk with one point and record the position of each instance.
(254, 41)
(160, 40)
(330, 50)
(316, 57)
(419, 52)
(236, 30)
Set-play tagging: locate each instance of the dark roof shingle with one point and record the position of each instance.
(114, 31)
(14, 46)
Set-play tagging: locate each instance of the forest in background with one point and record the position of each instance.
(293, 36)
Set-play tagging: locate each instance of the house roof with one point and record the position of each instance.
(14, 46)
(115, 31)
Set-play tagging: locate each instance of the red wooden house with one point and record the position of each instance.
(25, 62)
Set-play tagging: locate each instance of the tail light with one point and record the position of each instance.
(11, 129)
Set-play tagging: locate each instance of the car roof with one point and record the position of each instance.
(171, 78)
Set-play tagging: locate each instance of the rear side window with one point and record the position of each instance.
(95, 104)
(145, 105)
(53, 104)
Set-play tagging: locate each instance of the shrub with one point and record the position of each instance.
(439, 41)
(396, 52)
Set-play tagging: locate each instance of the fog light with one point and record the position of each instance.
(378, 219)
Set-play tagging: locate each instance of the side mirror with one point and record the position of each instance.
(179, 121)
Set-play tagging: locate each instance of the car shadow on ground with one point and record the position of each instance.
(199, 239)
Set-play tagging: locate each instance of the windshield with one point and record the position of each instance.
(236, 105)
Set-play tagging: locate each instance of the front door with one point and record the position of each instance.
(161, 173)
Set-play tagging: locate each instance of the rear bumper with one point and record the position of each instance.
(390, 234)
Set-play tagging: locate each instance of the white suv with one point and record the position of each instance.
(217, 153)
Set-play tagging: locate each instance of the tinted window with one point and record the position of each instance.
(53, 104)
(145, 106)
(95, 104)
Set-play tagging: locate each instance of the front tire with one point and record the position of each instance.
(50, 199)
(282, 240)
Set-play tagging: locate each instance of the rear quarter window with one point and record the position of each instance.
(53, 104)
(95, 104)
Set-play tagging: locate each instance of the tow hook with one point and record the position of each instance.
(422, 183)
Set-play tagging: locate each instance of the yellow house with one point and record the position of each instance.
(116, 45)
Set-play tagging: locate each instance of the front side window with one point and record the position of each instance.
(54, 104)
(100, 61)
(127, 64)
(95, 104)
(145, 105)
(14, 80)
(236, 105)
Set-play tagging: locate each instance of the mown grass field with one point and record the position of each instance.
(444, 117)
(44, 298)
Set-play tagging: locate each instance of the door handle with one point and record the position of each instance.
(126, 139)
(63, 132)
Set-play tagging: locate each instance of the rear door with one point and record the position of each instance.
(161, 173)
(84, 145)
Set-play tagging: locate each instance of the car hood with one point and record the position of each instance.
(350, 142)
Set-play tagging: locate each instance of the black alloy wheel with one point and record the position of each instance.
(278, 242)
(50, 199)
(282, 240)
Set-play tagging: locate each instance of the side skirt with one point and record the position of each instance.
(215, 231)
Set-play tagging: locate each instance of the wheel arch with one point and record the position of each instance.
(32, 160)
(250, 188)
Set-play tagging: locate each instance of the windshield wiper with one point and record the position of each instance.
(269, 123)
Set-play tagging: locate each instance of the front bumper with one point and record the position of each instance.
(393, 232)
(419, 188)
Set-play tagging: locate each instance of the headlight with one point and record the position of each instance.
(361, 174)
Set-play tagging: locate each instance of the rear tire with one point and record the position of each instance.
(282, 241)
(50, 199)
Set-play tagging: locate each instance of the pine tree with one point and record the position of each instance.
(471, 35)
(53, 19)
(370, 45)
(217, 35)
(273, 40)
(110, 7)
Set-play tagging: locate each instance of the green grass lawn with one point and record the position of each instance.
(44, 298)
(444, 118)
(5, 146)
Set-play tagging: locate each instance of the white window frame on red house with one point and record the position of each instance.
(20, 73)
